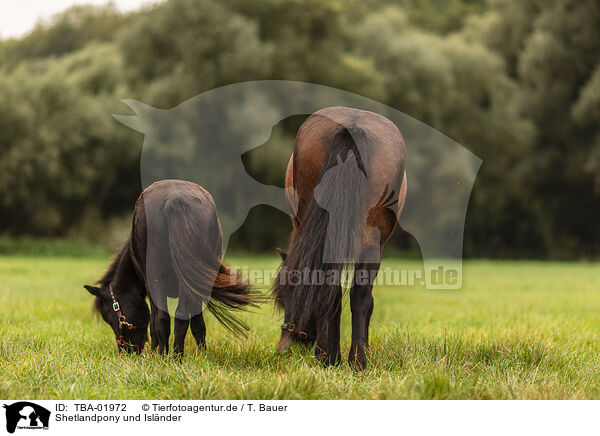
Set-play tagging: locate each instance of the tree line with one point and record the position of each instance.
(515, 82)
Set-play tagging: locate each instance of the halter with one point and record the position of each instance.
(291, 327)
(122, 320)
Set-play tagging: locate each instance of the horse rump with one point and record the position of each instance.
(308, 285)
(202, 276)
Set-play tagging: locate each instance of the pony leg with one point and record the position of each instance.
(180, 330)
(369, 313)
(361, 304)
(182, 322)
(327, 347)
(153, 331)
(321, 344)
(199, 330)
(333, 332)
(163, 328)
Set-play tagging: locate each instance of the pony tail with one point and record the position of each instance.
(201, 274)
(230, 291)
(315, 253)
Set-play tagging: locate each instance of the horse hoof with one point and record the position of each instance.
(178, 356)
(357, 363)
(331, 360)
(327, 359)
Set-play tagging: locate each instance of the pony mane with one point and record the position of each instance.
(111, 272)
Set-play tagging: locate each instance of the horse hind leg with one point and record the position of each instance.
(369, 313)
(327, 347)
(160, 328)
(333, 337)
(199, 330)
(153, 330)
(180, 328)
(361, 305)
(163, 330)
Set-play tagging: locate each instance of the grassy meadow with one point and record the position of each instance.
(517, 330)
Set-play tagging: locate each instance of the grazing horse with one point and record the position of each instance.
(174, 250)
(349, 186)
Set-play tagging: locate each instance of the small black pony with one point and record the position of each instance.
(174, 250)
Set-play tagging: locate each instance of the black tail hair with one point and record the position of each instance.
(304, 301)
(201, 273)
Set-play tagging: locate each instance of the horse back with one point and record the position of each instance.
(150, 228)
(384, 159)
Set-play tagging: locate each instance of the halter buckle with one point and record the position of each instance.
(116, 306)
(291, 327)
(288, 326)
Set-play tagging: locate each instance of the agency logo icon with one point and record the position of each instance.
(26, 415)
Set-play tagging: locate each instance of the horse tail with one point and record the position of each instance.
(200, 272)
(318, 249)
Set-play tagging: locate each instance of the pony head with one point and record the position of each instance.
(125, 312)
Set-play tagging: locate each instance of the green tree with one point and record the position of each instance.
(61, 155)
(462, 89)
(184, 47)
(64, 33)
(553, 50)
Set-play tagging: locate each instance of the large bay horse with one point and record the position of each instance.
(348, 177)
(174, 250)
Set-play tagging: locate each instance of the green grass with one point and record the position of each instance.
(515, 330)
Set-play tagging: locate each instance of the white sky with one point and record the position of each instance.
(17, 17)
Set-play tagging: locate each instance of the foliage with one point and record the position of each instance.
(59, 142)
(66, 32)
(211, 47)
(517, 83)
(553, 51)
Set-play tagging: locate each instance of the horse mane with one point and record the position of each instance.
(111, 272)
